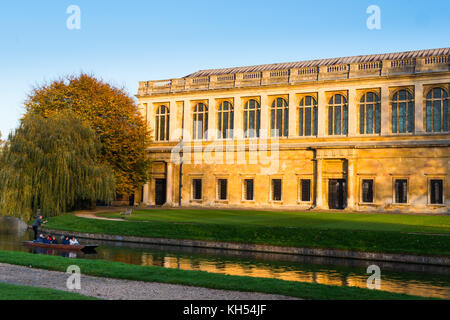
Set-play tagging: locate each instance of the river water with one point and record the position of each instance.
(421, 280)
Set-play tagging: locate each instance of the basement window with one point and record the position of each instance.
(276, 190)
(222, 186)
(401, 191)
(367, 191)
(436, 192)
(197, 189)
(248, 189)
(305, 191)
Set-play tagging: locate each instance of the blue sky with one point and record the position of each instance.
(125, 42)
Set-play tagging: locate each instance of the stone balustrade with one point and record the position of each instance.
(298, 75)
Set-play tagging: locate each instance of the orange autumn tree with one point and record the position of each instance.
(111, 113)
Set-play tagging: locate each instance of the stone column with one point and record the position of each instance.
(238, 132)
(151, 192)
(322, 114)
(265, 117)
(319, 182)
(169, 184)
(352, 113)
(146, 194)
(292, 116)
(212, 122)
(418, 111)
(385, 105)
(351, 178)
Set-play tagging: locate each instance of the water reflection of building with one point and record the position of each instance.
(326, 277)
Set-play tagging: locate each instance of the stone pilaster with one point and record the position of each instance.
(212, 122)
(293, 132)
(385, 105)
(352, 113)
(418, 111)
(174, 134)
(188, 129)
(238, 118)
(322, 114)
(265, 117)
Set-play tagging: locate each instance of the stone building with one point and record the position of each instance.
(363, 133)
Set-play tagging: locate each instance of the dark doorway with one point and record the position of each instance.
(131, 200)
(337, 194)
(160, 192)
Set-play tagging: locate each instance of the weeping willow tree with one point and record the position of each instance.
(52, 163)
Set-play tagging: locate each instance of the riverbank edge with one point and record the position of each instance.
(333, 253)
(14, 292)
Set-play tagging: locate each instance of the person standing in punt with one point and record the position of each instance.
(36, 224)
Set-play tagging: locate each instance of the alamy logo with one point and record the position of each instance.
(374, 281)
(74, 280)
(263, 152)
(374, 20)
(74, 20)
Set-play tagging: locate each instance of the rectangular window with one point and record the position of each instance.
(377, 118)
(436, 192)
(248, 189)
(300, 122)
(197, 189)
(330, 120)
(305, 190)
(222, 185)
(367, 191)
(401, 191)
(315, 121)
(337, 120)
(345, 120)
(361, 119)
(276, 190)
(307, 121)
(394, 118)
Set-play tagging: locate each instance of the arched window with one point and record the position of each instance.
(307, 117)
(337, 115)
(437, 116)
(162, 124)
(200, 118)
(280, 118)
(225, 120)
(252, 119)
(369, 114)
(402, 112)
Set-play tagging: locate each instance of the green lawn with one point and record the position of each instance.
(198, 278)
(359, 232)
(15, 292)
(320, 220)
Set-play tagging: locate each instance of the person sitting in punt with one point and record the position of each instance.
(40, 239)
(66, 240)
(74, 242)
(54, 240)
(47, 240)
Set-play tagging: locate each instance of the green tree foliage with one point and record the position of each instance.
(52, 163)
(111, 113)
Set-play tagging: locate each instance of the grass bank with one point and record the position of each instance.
(15, 292)
(357, 232)
(119, 270)
(314, 220)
